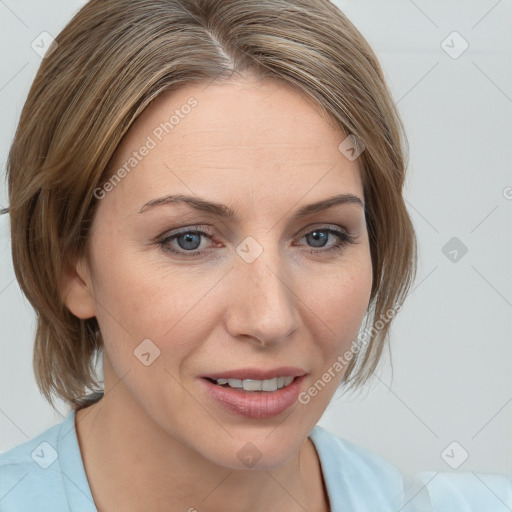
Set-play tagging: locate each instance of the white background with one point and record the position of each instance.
(451, 345)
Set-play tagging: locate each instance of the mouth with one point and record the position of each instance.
(255, 393)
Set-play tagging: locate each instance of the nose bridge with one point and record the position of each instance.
(264, 306)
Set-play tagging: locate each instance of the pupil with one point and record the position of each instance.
(190, 238)
(322, 238)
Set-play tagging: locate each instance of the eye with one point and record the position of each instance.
(319, 237)
(188, 242)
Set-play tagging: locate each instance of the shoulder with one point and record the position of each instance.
(354, 475)
(360, 480)
(30, 474)
(467, 490)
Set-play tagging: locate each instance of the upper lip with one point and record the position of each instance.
(257, 373)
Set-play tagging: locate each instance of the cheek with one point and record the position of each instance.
(339, 297)
(139, 301)
(340, 305)
(150, 328)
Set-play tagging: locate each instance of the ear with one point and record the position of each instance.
(76, 290)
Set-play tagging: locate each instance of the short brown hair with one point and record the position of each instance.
(111, 60)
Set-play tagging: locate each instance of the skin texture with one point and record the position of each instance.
(156, 441)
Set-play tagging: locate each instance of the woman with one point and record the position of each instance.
(208, 195)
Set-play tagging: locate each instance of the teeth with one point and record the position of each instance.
(252, 385)
(270, 384)
(257, 385)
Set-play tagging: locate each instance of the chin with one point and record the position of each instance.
(254, 448)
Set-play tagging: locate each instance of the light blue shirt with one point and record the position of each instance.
(46, 474)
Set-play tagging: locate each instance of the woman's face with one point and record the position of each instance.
(185, 292)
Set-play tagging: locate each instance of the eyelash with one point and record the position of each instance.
(343, 239)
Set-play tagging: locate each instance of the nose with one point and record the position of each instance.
(263, 304)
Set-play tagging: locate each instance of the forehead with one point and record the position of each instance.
(229, 136)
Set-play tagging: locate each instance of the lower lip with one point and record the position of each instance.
(255, 404)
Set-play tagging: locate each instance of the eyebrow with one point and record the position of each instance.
(223, 211)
